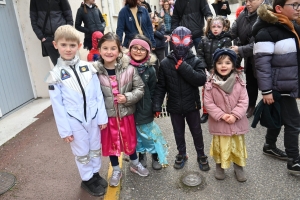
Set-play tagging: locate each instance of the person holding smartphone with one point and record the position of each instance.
(221, 8)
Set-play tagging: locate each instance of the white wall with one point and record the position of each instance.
(39, 66)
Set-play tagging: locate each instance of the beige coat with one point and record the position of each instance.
(130, 84)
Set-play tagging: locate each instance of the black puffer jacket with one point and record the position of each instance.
(242, 29)
(60, 14)
(181, 85)
(209, 44)
(92, 20)
(191, 13)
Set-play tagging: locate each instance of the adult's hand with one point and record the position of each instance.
(43, 39)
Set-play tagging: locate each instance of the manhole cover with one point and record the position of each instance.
(7, 181)
(192, 179)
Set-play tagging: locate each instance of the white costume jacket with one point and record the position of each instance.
(67, 81)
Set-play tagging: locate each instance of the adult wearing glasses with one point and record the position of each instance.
(132, 20)
(242, 29)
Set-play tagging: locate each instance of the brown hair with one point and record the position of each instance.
(111, 37)
(131, 3)
(278, 2)
(84, 5)
(225, 22)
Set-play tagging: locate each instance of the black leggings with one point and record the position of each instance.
(115, 162)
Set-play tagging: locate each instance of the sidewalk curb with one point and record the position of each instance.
(113, 193)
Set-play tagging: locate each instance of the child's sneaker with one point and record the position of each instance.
(100, 180)
(92, 187)
(293, 166)
(143, 159)
(180, 161)
(139, 169)
(203, 163)
(115, 178)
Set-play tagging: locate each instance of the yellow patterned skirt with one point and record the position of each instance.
(227, 149)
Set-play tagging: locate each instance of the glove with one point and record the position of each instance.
(178, 64)
(156, 114)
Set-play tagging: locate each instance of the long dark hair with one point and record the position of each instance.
(111, 37)
(131, 3)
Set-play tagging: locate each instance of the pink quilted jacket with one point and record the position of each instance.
(218, 103)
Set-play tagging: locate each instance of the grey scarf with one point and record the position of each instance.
(227, 85)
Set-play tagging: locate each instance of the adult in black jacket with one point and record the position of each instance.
(190, 14)
(60, 13)
(221, 8)
(146, 5)
(242, 29)
(90, 15)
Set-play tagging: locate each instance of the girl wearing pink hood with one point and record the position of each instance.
(226, 101)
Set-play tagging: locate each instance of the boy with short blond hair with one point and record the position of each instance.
(78, 107)
(276, 53)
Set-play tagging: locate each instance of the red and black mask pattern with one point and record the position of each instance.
(182, 41)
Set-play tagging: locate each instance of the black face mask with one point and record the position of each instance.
(181, 41)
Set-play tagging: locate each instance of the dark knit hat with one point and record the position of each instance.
(227, 52)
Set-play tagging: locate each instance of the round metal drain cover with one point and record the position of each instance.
(192, 179)
(7, 181)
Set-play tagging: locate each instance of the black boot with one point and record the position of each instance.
(155, 163)
(101, 180)
(92, 187)
(204, 118)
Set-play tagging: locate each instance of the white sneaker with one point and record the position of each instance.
(115, 178)
(139, 169)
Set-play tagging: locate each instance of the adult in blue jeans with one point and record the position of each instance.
(191, 14)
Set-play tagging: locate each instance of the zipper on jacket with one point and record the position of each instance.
(82, 90)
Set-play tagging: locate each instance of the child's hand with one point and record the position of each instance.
(225, 117)
(69, 139)
(121, 98)
(103, 126)
(231, 119)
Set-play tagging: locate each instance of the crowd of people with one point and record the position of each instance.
(107, 104)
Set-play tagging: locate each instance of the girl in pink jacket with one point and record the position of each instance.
(226, 101)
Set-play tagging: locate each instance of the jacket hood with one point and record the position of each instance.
(95, 38)
(123, 63)
(265, 16)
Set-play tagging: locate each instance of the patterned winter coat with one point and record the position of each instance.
(130, 84)
(276, 52)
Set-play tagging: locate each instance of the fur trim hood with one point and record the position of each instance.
(266, 16)
(123, 63)
(266, 13)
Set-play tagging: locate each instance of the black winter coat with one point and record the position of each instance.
(159, 36)
(191, 13)
(92, 20)
(143, 113)
(209, 44)
(242, 29)
(60, 14)
(181, 85)
(223, 12)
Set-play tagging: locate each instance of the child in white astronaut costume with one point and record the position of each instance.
(78, 108)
